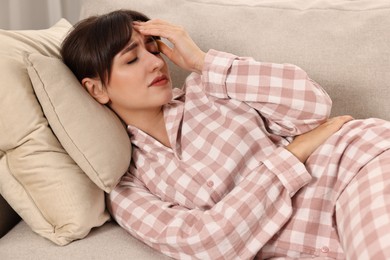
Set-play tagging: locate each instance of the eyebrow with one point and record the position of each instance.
(134, 44)
(129, 48)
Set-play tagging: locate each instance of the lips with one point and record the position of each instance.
(159, 81)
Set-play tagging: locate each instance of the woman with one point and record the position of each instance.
(242, 161)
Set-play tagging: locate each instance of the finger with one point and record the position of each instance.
(334, 124)
(342, 119)
(158, 28)
(347, 118)
(165, 49)
(154, 31)
(154, 23)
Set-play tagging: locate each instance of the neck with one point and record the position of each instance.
(151, 122)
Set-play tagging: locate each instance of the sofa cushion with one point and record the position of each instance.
(343, 45)
(90, 132)
(107, 242)
(41, 182)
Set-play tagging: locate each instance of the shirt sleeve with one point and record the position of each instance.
(289, 101)
(237, 227)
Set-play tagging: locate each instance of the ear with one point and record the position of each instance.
(96, 89)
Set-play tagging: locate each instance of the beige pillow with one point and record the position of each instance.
(37, 177)
(91, 133)
(344, 45)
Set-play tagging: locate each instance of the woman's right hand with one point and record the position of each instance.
(184, 52)
(304, 145)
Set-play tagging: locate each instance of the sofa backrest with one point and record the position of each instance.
(343, 45)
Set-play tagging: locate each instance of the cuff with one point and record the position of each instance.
(291, 172)
(215, 70)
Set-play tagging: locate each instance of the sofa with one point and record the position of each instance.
(57, 162)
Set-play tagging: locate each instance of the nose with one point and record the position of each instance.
(155, 62)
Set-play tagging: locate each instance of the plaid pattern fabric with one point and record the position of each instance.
(362, 211)
(227, 189)
(349, 178)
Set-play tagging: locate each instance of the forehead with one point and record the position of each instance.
(136, 35)
(136, 40)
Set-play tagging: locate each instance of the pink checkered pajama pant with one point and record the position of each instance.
(344, 212)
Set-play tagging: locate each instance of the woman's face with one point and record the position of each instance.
(140, 79)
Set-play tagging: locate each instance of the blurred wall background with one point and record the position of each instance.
(36, 14)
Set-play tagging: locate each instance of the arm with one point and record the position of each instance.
(289, 101)
(236, 227)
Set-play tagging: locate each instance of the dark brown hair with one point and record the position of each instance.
(89, 49)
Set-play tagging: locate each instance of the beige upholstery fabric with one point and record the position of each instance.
(344, 45)
(109, 242)
(37, 177)
(91, 133)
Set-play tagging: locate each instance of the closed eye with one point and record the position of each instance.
(152, 46)
(132, 61)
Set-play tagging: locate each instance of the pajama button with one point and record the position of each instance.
(324, 249)
(210, 184)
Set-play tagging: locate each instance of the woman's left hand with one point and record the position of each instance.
(304, 145)
(184, 52)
